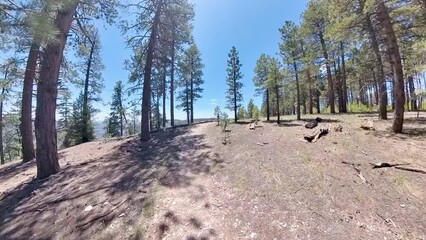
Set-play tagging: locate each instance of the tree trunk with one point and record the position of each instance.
(164, 96)
(383, 96)
(412, 93)
(376, 89)
(297, 88)
(318, 101)
(331, 97)
(187, 102)
(338, 86)
(172, 84)
(86, 113)
(311, 100)
(192, 99)
(395, 60)
(267, 105)
(235, 98)
(1, 128)
(47, 91)
(26, 126)
(277, 93)
(343, 79)
(146, 95)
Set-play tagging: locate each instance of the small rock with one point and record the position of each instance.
(88, 208)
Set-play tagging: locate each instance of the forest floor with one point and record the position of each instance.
(265, 184)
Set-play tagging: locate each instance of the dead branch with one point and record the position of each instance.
(317, 134)
(411, 169)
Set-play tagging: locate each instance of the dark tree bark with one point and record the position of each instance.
(47, 91)
(267, 105)
(383, 96)
(412, 90)
(297, 88)
(376, 89)
(331, 96)
(146, 95)
(277, 92)
(343, 79)
(192, 99)
(395, 60)
(172, 82)
(164, 96)
(26, 126)
(1, 127)
(318, 94)
(86, 113)
(311, 100)
(187, 102)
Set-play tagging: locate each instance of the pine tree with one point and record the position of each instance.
(261, 71)
(117, 116)
(76, 126)
(250, 108)
(233, 94)
(191, 68)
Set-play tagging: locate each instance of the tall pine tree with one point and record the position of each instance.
(234, 96)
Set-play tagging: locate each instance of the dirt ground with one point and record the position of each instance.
(265, 184)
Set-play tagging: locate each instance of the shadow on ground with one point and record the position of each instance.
(119, 187)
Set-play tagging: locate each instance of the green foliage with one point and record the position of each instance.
(117, 115)
(250, 108)
(74, 133)
(242, 114)
(191, 70)
(234, 96)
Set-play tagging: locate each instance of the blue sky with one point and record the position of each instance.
(249, 25)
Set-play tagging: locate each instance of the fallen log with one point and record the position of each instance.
(316, 135)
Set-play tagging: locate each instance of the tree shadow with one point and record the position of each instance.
(83, 199)
(8, 172)
(409, 133)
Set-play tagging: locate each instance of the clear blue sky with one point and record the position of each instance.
(249, 25)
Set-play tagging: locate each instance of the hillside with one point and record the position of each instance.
(265, 184)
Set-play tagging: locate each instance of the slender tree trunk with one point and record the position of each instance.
(235, 98)
(121, 112)
(187, 102)
(267, 105)
(311, 100)
(26, 126)
(297, 88)
(172, 84)
(192, 99)
(86, 113)
(47, 91)
(146, 95)
(318, 101)
(1, 127)
(376, 89)
(277, 93)
(383, 96)
(338, 87)
(331, 97)
(344, 84)
(412, 90)
(164, 96)
(395, 59)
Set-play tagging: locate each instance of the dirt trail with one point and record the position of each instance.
(265, 184)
